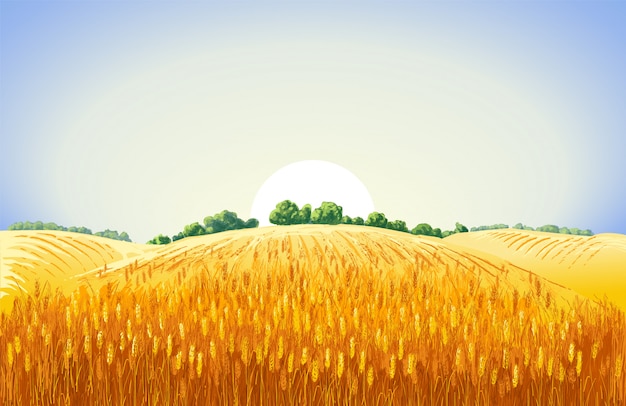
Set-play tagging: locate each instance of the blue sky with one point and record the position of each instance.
(146, 116)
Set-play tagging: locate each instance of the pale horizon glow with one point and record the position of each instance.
(147, 116)
(312, 182)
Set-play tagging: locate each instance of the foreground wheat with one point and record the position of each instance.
(303, 335)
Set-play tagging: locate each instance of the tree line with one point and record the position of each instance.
(223, 221)
(548, 228)
(288, 213)
(38, 225)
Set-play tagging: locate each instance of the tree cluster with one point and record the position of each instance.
(548, 228)
(38, 225)
(223, 221)
(288, 213)
(551, 228)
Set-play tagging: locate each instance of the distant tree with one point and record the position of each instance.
(358, 221)
(178, 236)
(459, 228)
(346, 220)
(123, 236)
(423, 229)
(549, 228)
(437, 232)
(193, 230)
(38, 225)
(398, 225)
(251, 223)
(82, 230)
(27, 225)
(304, 215)
(16, 226)
(376, 219)
(285, 213)
(492, 227)
(160, 239)
(577, 231)
(327, 213)
(223, 221)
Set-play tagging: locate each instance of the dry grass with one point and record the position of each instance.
(311, 317)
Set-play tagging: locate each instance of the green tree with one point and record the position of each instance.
(304, 215)
(423, 229)
(27, 225)
(223, 221)
(251, 223)
(160, 239)
(82, 230)
(327, 213)
(193, 230)
(577, 231)
(285, 213)
(178, 236)
(346, 220)
(123, 236)
(492, 227)
(398, 225)
(16, 226)
(549, 228)
(376, 219)
(459, 228)
(358, 221)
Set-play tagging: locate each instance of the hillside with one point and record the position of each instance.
(67, 259)
(306, 314)
(54, 257)
(593, 266)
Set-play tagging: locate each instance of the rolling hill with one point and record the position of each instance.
(311, 314)
(514, 258)
(593, 266)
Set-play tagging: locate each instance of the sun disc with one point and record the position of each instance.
(312, 182)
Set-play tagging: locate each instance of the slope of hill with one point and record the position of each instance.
(310, 314)
(593, 266)
(54, 257)
(66, 259)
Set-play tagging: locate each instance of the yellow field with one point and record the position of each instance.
(55, 257)
(298, 314)
(593, 266)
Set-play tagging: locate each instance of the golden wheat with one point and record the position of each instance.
(377, 338)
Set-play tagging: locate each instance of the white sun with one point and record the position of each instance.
(312, 182)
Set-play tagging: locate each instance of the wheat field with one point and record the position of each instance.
(307, 314)
(592, 266)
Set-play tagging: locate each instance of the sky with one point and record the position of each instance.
(144, 116)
